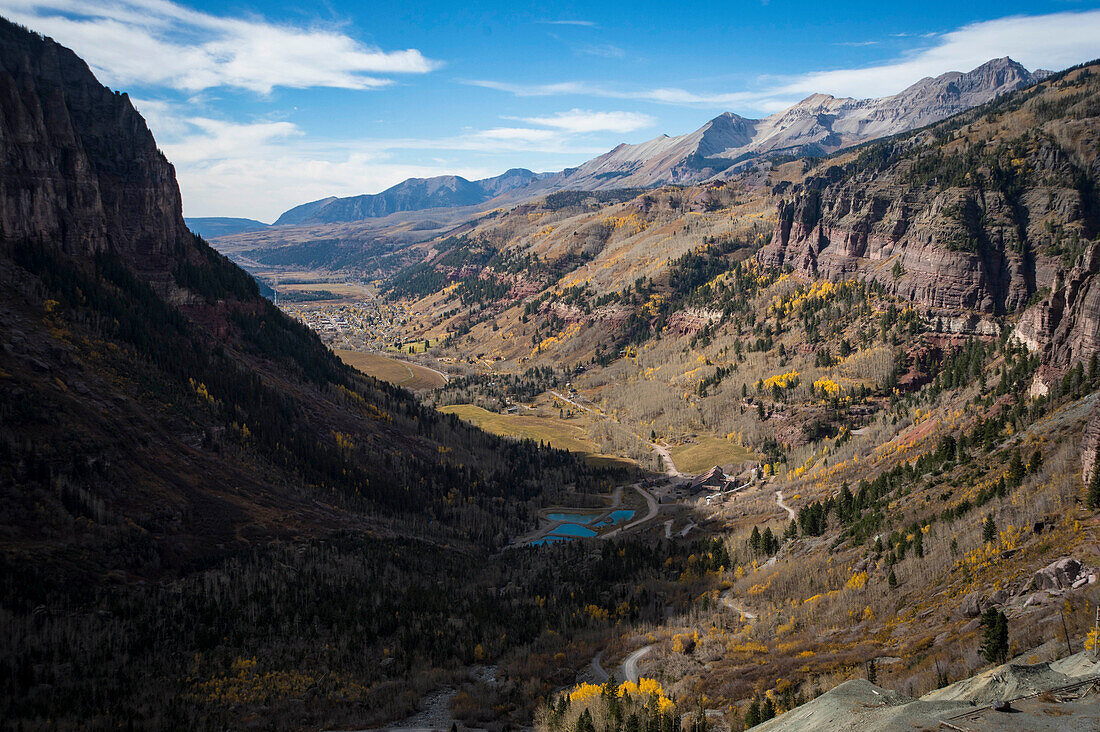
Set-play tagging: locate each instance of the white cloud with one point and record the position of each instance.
(579, 88)
(261, 168)
(1052, 41)
(578, 121)
(581, 23)
(602, 50)
(159, 43)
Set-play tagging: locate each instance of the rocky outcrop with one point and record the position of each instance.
(962, 217)
(1065, 326)
(81, 170)
(904, 240)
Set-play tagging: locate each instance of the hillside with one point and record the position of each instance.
(818, 125)
(903, 340)
(891, 354)
(177, 456)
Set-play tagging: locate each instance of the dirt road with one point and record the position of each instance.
(779, 502)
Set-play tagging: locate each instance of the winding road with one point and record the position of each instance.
(736, 606)
(654, 509)
(629, 670)
(662, 452)
(779, 502)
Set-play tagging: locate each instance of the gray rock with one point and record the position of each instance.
(1057, 575)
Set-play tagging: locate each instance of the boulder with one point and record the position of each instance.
(973, 605)
(1057, 575)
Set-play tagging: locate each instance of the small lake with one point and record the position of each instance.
(573, 518)
(550, 540)
(615, 517)
(572, 530)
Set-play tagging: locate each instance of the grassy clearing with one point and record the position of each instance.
(599, 460)
(547, 429)
(708, 452)
(399, 373)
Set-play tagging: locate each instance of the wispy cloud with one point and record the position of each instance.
(1053, 41)
(578, 121)
(603, 50)
(856, 44)
(582, 23)
(263, 167)
(670, 95)
(160, 43)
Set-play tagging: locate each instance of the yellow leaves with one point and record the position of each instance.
(806, 654)
(343, 441)
(827, 386)
(200, 389)
(585, 693)
(645, 691)
(630, 223)
(1091, 640)
(596, 612)
(857, 581)
(788, 380)
(868, 613)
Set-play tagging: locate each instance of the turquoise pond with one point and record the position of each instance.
(573, 518)
(620, 515)
(572, 530)
(551, 540)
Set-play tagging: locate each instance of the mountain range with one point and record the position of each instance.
(817, 125)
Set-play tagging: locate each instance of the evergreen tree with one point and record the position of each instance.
(989, 529)
(995, 638)
(752, 716)
(1093, 496)
(872, 672)
(768, 542)
(892, 580)
(1015, 474)
(754, 540)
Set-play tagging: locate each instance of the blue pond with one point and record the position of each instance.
(615, 517)
(574, 518)
(572, 530)
(550, 540)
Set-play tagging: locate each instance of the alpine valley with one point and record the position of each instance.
(790, 422)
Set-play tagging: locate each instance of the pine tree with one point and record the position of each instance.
(892, 580)
(1093, 497)
(995, 638)
(872, 672)
(752, 716)
(989, 529)
(754, 540)
(1015, 474)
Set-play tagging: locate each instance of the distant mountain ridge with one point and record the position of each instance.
(818, 125)
(209, 227)
(413, 194)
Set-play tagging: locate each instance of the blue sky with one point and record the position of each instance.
(265, 105)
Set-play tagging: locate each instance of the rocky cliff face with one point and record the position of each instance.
(81, 169)
(971, 215)
(1065, 326)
